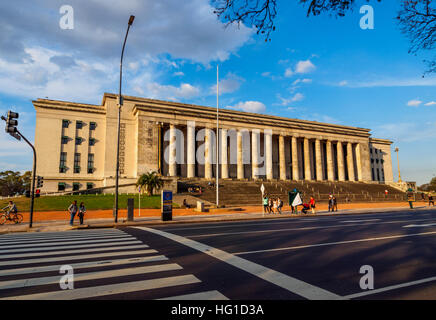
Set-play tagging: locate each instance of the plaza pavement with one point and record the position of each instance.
(58, 220)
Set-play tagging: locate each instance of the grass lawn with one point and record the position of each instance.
(92, 202)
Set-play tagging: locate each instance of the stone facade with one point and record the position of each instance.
(76, 145)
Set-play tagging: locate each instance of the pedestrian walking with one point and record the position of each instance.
(275, 206)
(270, 205)
(73, 210)
(330, 202)
(279, 205)
(430, 200)
(265, 203)
(335, 204)
(82, 211)
(312, 204)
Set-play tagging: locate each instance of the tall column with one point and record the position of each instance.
(318, 160)
(282, 161)
(268, 154)
(172, 169)
(208, 154)
(359, 163)
(307, 172)
(350, 162)
(190, 146)
(341, 169)
(295, 172)
(240, 164)
(224, 160)
(330, 171)
(255, 135)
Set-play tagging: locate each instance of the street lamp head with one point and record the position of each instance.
(396, 149)
(131, 20)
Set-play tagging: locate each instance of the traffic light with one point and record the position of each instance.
(39, 181)
(37, 193)
(11, 122)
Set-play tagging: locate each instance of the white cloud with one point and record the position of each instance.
(178, 74)
(285, 102)
(414, 103)
(305, 67)
(289, 72)
(301, 81)
(343, 83)
(431, 103)
(156, 90)
(230, 83)
(249, 106)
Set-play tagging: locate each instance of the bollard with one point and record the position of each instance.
(130, 208)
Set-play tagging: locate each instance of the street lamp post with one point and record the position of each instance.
(120, 104)
(398, 161)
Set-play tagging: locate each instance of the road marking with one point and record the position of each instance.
(82, 265)
(63, 252)
(97, 291)
(13, 242)
(338, 242)
(59, 235)
(293, 229)
(31, 282)
(80, 242)
(207, 295)
(420, 225)
(394, 287)
(352, 221)
(81, 245)
(291, 284)
(76, 257)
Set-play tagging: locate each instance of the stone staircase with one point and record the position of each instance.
(234, 193)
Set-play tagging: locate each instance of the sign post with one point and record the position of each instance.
(139, 199)
(167, 205)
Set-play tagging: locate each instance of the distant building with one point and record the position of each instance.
(76, 145)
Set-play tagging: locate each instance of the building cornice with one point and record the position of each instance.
(69, 106)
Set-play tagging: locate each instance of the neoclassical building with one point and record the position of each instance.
(76, 145)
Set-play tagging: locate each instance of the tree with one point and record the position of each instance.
(12, 182)
(416, 18)
(431, 186)
(150, 182)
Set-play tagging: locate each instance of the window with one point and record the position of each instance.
(63, 163)
(92, 125)
(79, 124)
(64, 140)
(91, 141)
(61, 186)
(65, 123)
(89, 185)
(77, 163)
(79, 141)
(76, 186)
(90, 163)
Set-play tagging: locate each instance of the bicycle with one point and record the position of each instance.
(15, 217)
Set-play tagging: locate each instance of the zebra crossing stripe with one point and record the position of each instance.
(98, 291)
(81, 245)
(56, 243)
(57, 234)
(30, 282)
(75, 257)
(13, 242)
(82, 265)
(207, 295)
(63, 252)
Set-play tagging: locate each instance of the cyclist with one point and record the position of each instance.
(11, 208)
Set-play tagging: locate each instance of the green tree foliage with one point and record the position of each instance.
(12, 182)
(150, 181)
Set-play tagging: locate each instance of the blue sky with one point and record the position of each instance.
(321, 68)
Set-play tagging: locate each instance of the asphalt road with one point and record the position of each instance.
(291, 258)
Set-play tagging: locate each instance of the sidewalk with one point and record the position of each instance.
(58, 221)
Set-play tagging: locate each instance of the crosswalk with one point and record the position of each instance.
(106, 264)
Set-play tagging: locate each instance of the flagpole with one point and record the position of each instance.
(217, 136)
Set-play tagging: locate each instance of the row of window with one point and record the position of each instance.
(79, 124)
(63, 162)
(376, 160)
(79, 140)
(76, 186)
